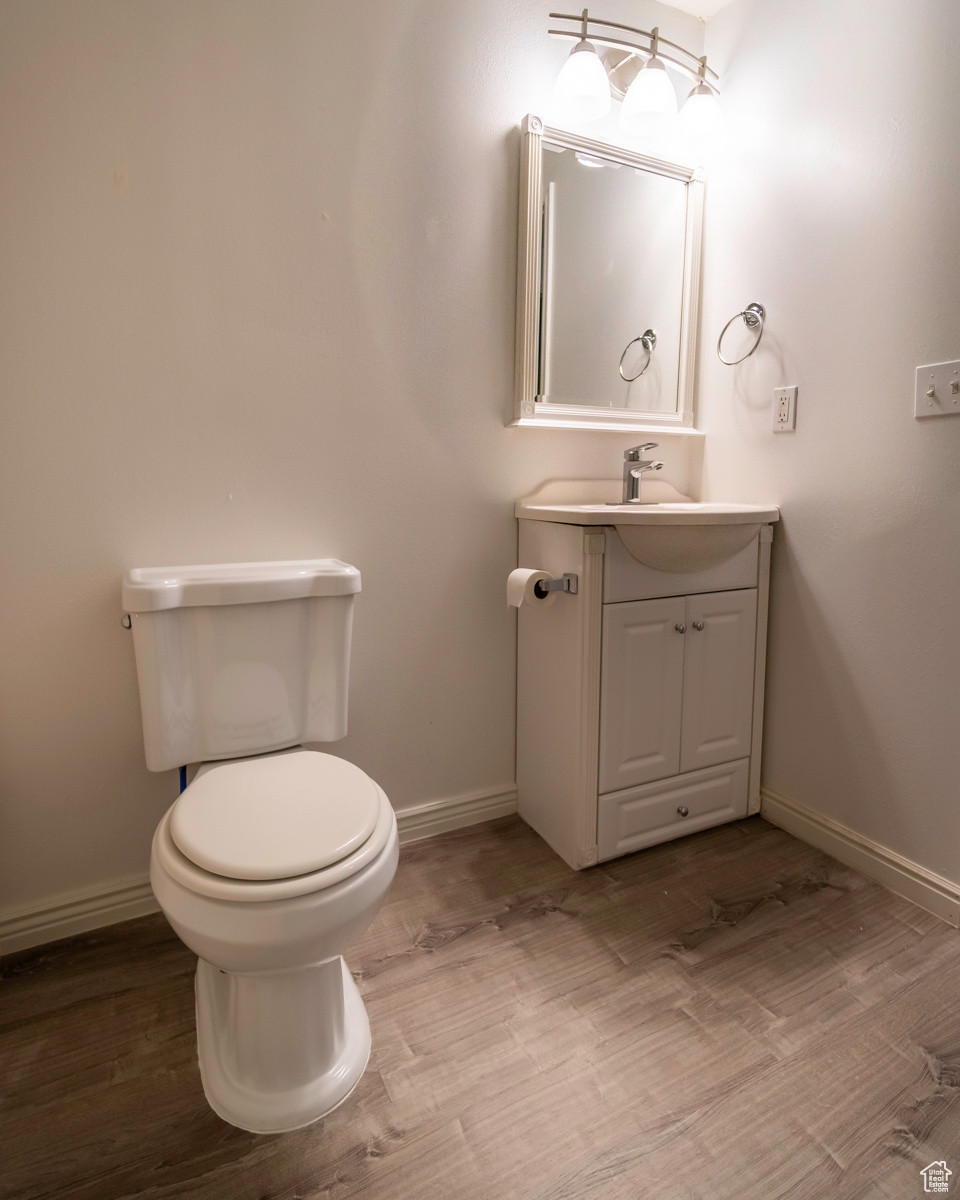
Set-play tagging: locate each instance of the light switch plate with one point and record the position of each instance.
(784, 409)
(938, 390)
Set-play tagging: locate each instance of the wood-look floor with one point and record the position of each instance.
(730, 1015)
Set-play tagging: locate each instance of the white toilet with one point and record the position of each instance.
(275, 858)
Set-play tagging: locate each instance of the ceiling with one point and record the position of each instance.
(699, 8)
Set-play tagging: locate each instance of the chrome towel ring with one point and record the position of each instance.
(648, 340)
(753, 316)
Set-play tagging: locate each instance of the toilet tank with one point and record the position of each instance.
(235, 659)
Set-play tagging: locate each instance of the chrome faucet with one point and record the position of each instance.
(634, 468)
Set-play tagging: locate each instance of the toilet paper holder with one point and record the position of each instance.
(566, 583)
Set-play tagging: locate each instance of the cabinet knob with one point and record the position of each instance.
(698, 624)
(683, 811)
(680, 628)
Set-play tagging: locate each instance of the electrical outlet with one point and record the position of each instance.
(938, 390)
(784, 410)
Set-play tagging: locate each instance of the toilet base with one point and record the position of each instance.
(279, 1051)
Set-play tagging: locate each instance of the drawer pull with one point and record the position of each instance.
(680, 628)
(683, 811)
(698, 625)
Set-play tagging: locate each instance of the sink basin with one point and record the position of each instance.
(684, 548)
(671, 533)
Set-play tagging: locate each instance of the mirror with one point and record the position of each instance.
(611, 283)
(608, 284)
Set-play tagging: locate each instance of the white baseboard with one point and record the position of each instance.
(76, 912)
(106, 904)
(439, 816)
(908, 879)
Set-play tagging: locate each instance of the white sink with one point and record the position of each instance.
(672, 533)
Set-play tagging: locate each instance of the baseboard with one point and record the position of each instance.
(105, 904)
(908, 879)
(76, 912)
(439, 816)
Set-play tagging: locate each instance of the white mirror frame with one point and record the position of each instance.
(528, 409)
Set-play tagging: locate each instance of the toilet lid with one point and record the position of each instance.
(275, 817)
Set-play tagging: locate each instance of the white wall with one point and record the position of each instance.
(258, 270)
(836, 205)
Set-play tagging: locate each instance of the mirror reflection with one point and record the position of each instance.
(611, 289)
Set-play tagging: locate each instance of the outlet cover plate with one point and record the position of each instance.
(938, 390)
(784, 409)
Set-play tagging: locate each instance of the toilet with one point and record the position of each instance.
(275, 858)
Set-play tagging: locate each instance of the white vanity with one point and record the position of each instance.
(639, 694)
(640, 684)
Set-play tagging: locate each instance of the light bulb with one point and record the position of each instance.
(582, 89)
(650, 105)
(701, 115)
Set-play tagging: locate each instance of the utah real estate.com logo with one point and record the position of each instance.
(936, 1177)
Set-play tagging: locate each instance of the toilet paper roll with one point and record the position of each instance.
(520, 585)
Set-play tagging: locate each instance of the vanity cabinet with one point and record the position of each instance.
(640, 697)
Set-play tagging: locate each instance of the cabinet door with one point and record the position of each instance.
(640, 692)
(718, 678)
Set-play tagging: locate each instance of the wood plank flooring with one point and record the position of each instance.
(733, 1015)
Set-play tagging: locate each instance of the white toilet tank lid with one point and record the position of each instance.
(150, 589)
(275, 817)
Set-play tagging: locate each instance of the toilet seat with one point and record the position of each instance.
(276, 816)
(197, 878)
(218, 887)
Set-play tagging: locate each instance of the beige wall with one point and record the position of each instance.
(257, 295)
(836, 205)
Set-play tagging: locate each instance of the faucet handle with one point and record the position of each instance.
(633, 454)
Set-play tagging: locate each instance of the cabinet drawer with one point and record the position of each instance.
(643, 816)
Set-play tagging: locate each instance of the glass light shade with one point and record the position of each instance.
(701, 116)
(650, 105)
(582, 89)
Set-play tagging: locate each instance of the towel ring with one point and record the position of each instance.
(753, 316)
(648, 341)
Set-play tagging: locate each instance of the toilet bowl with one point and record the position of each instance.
(269, 868)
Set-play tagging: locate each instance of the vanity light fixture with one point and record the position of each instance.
(582, 90)
(634, 70)
(650, 103)
(701, 115)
